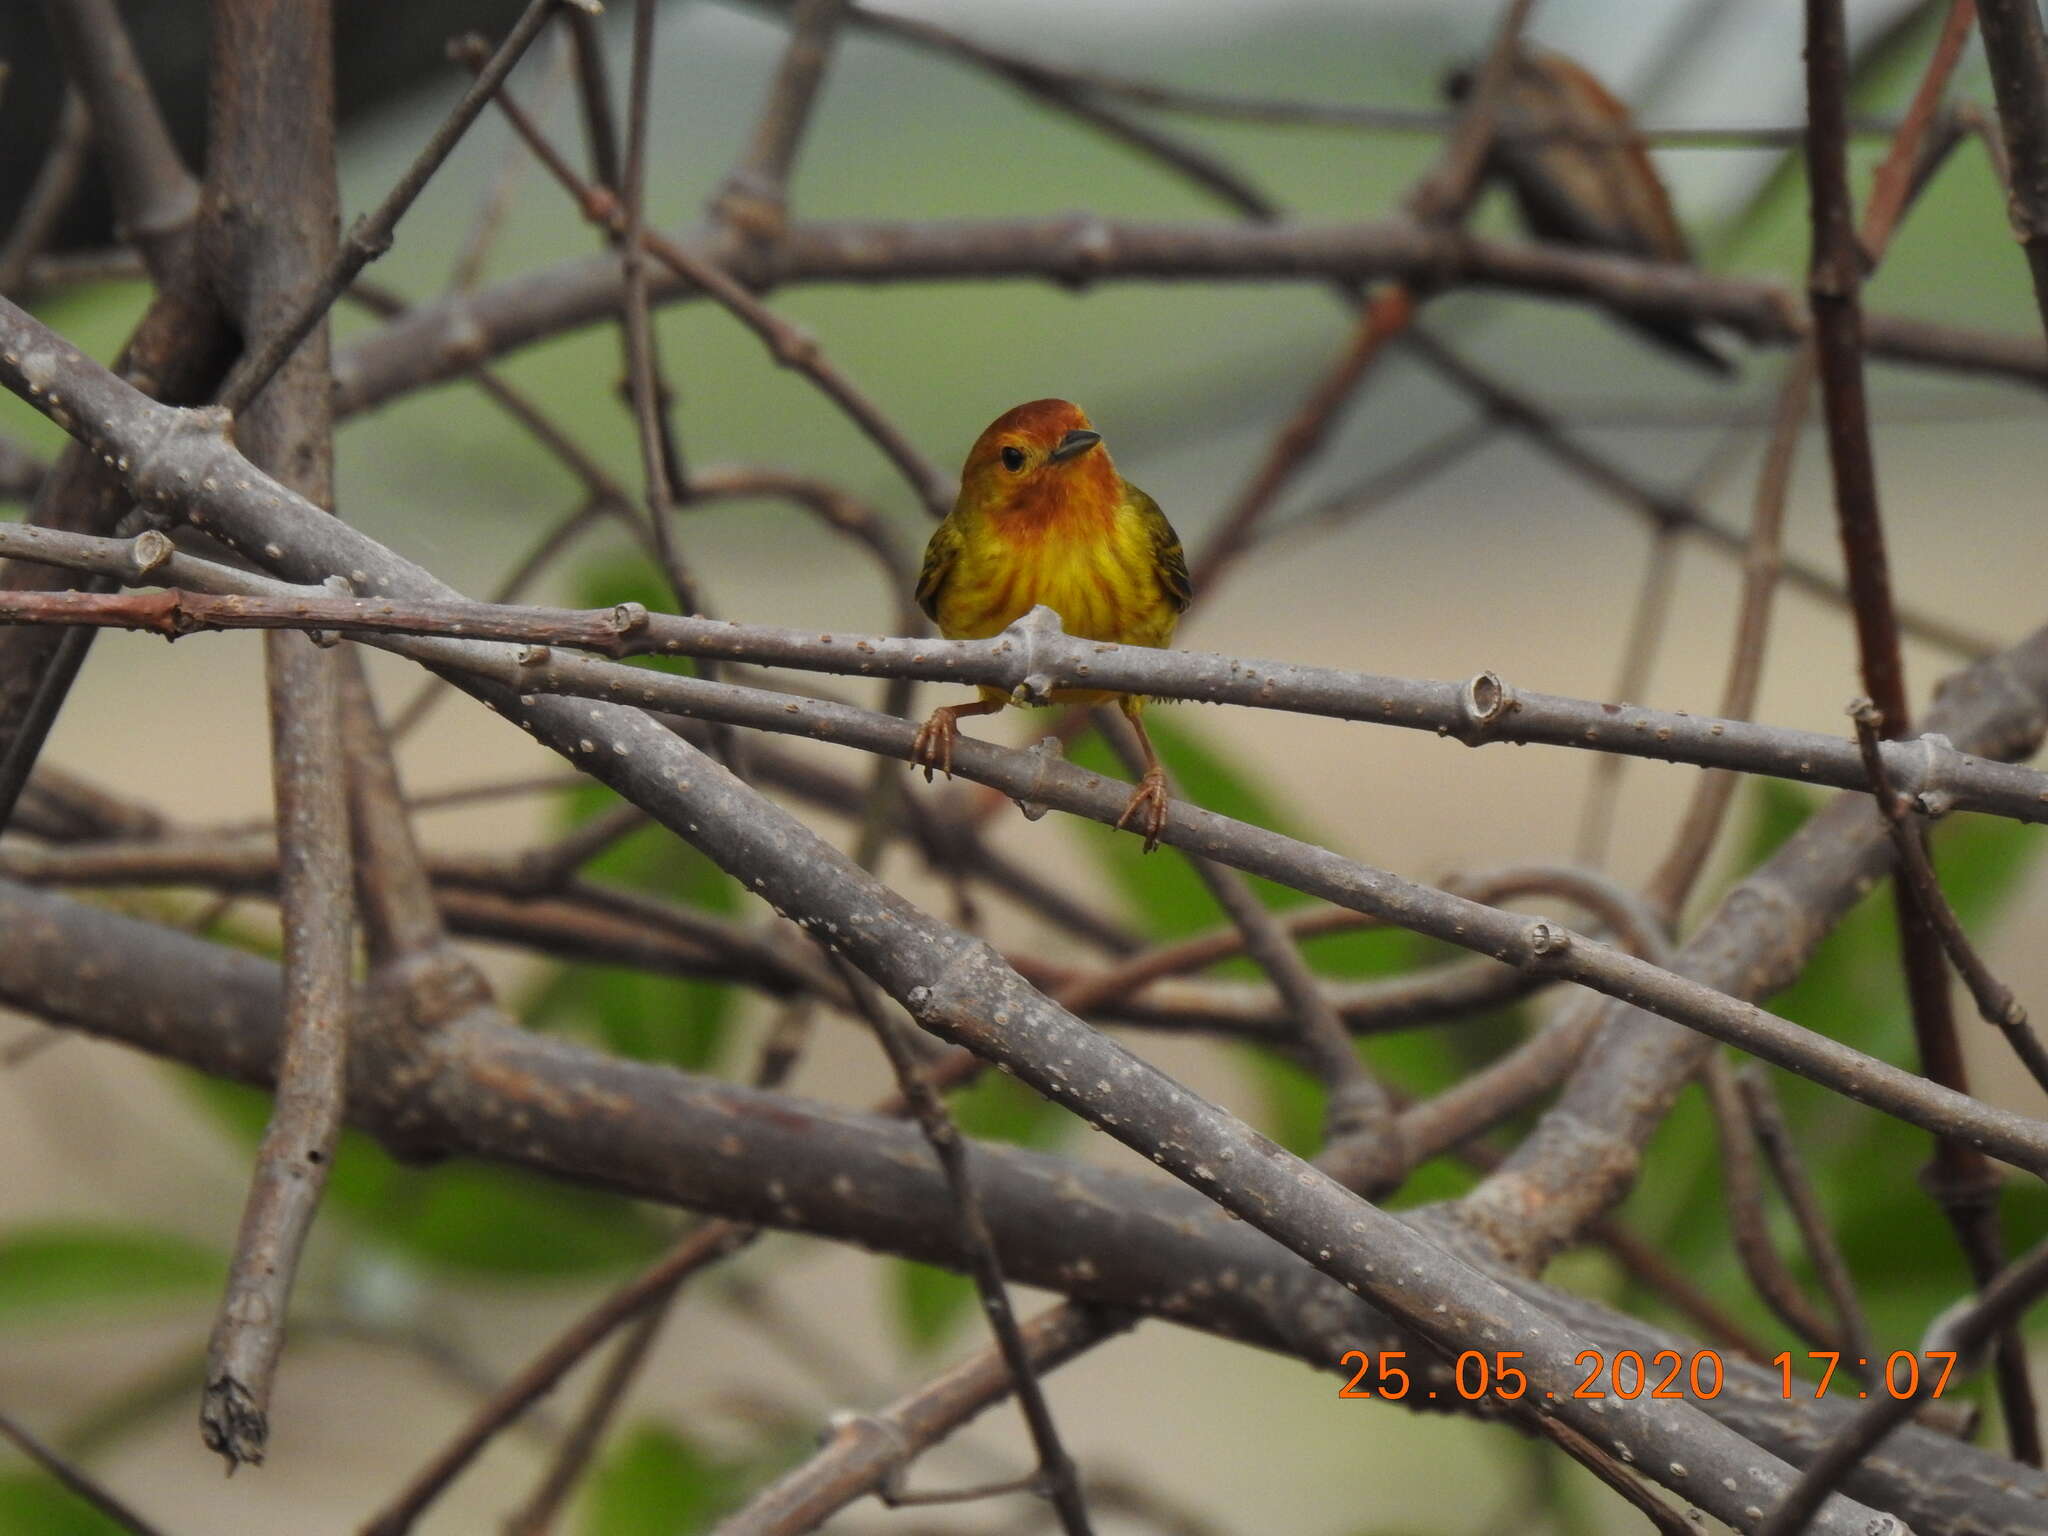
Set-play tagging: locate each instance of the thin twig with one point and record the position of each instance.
(1960, 1178)
(1544, 430)
(1767, 1120)
(598, 483)
(371, 235)
(1382, 317)
(645, 387)
(156, 199)
(787, 344)
(704, 1246)
(496, 203)
(1994, 999)
(1762, 565)
(1743, 1200)
(1989, 1317)
(865, 1451)
(1904, 167)
(1357, 1107)
(49, 195)
(755, 196)
(1059, 1481)
(1483, 710)
(2018, 51)
(285, 167)
(1639, 647)
(1412, 470)
(536, 1516)
(77, 1479)
(1589, 1454)
(1059, 89)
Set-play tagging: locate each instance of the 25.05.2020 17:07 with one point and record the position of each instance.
(1699, 1375)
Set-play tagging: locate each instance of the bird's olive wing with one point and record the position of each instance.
(1166, 550)
(939, 558)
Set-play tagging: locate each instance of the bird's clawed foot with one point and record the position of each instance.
(933, 746)
(1148, 804)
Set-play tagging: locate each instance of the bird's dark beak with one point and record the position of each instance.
(1074, 444)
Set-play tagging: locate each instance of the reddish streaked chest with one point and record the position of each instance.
(1083, 557)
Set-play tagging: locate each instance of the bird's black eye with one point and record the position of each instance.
(1013, 459)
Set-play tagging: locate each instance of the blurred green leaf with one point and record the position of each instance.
(1167, 899)
(1163, 893)
(1882, 74)
(53, 1268)
(34, 1505)
(462, 1215)
(929, 1302)
(1865, 1165)
(684, 1023)
(626, 576)
(657, 1483)
(996, 1107)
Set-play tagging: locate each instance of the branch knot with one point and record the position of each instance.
(1030, 633)
(1483, 703)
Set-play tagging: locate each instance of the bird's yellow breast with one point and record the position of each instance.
(1099, 571)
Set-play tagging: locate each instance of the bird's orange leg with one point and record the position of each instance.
(1148, 800)
(933, 747)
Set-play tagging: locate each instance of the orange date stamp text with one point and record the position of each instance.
(1666, 1373)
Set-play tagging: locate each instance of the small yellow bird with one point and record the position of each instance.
(1043, 517)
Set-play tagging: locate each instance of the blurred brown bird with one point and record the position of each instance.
(1581, 176)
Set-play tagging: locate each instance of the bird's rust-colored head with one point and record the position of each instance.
(1038, 460)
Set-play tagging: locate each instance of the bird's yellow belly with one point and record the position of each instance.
(1098, 596)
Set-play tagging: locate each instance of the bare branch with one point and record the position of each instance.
(370, 236)
(48, 196)
(1995, 1000)
(75, 1478)
(1059, 1479)
(755, 196)
(706, 1245)
(1992, 1314)
(2018, 51)
(1961, 1180)
(265, 55)
(1767, 1119)
(156, 198)
(864, 1451)
(1380, 318)
(1108, 1236)
(787, 344)
(1743, 1200)
(1036, 656)
(444, 339)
